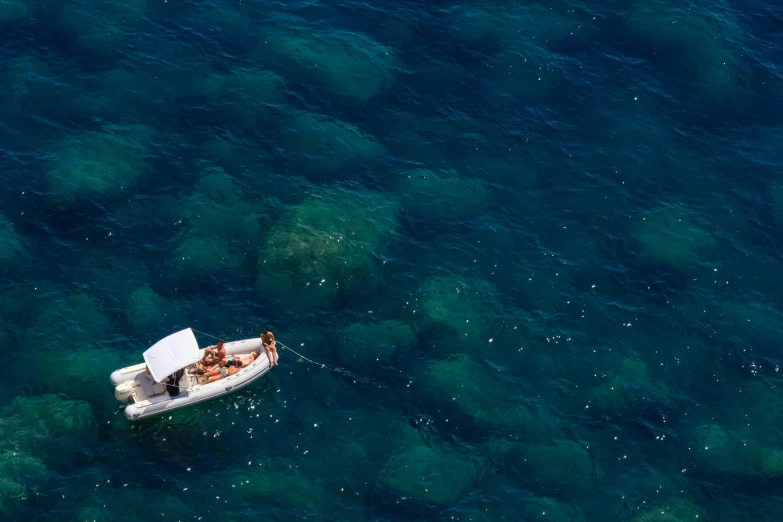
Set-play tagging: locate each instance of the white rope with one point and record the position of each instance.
(208, 335)
(302, 356)
(356, 378)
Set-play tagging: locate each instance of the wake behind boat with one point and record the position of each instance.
(146, 394)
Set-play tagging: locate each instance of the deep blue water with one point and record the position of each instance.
(535, 248)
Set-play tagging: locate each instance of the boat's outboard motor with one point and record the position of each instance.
(124, 392)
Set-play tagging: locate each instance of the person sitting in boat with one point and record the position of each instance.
(172, 382)
(213, 353)
(222, 372)
(268, 341)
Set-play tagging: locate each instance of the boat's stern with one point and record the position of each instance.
(126, 374)
(124, 392)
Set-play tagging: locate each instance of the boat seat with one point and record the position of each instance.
(186, 382)
(149, 387)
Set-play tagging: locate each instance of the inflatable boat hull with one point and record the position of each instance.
(132, 385)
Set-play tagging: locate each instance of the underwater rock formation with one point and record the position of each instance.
(479, 20)
(146, 308)
(469, 386)
(695, 44)
(327, 244)
(630, 384)
(106, 264)
(727, 452)
(551, 510)
(276, 481)
(367, 345)
(246, 95)
(430, 472)
(753, 319)
(48, 424)
(101, 27)
(319, 143)
(14, 10)
(561, 461)
(104, 162)
(28, 84)
(674, 235)
(442, 195)
(674, 510)
(346, 63)
(217, 210)
(10, 245)
(469, 307)
(123, 504)
(72, 320)
(527, 70)
(20, 475)
(203, 255)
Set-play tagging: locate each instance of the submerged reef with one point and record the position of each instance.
(630, 384)
(123, 504)
(674, 510)
(327, 244)
(73, 320)
(319, 143)
(561, 461)
(102, 27)
(277, 481)
(39, 427)
(224, 225)
(728, 452)
(674, 235)
(430, 472)
(468, 385)
(346, 63)
(10, 244)
(217, 209)
(146, 309)
(103, 162)
(364, 346)
(14, 10)
(468, 306)
(479, 20)
(48, 424)
(26, 83)
(757, 320)
(197, 255)
(527, 70)
(246, 95)
(20, 475)
(442, 195)
(699, 43)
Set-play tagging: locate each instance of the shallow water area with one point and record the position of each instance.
(530, 256)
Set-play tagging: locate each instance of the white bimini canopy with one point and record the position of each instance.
(171, 354)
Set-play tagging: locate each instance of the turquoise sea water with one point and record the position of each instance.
(537, 247)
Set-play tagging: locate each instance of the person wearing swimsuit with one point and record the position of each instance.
(222, 372)
(247, 359)
(214, 353)
(268, 341)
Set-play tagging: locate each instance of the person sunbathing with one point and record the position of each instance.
(200, 368)
(222, 371)
(246, 359)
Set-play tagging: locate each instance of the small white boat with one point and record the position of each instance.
(147, 396)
